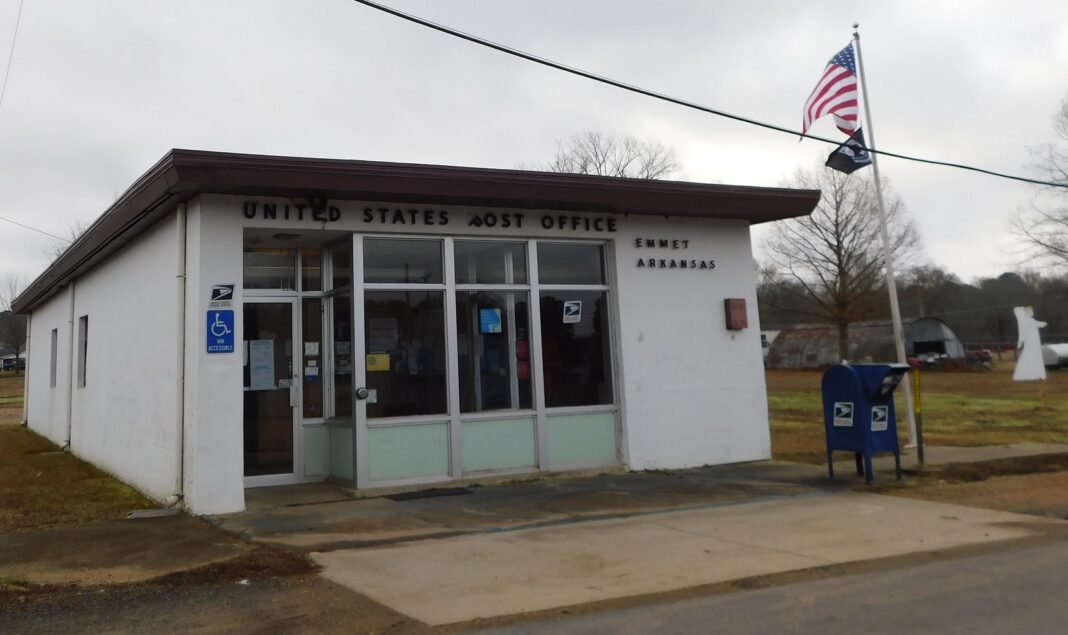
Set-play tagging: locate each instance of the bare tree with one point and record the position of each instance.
(74, 232)
(610, 155)
(12, 325)
(1043, 227)
(833, 259)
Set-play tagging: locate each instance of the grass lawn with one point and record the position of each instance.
(40, 486)
(10, 398)
(959, 408)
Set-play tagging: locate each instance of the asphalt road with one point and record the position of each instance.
(1013, 591)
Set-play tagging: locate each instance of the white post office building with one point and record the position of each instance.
(238, 321)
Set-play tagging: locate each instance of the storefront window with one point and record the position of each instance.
(342, 356)
(490, 262)
(405, 353)
(311, 267)
(570, 263)
(270, 268)
(575, 348)
(492, 332)
(341, 265)
(312, 357)
(403, 261)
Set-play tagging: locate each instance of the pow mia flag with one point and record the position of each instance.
(851, 155)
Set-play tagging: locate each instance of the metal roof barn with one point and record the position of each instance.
(816, 345)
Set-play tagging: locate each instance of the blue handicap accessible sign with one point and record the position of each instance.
(221, 331)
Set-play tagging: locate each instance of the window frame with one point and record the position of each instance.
(83, 349)
(53, 369)
(454, 418)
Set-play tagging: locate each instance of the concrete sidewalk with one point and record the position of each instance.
(325, 518)
(510, 572)
(555, 542)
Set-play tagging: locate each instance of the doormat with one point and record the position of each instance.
(433, 492)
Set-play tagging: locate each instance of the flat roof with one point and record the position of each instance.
(183, 174)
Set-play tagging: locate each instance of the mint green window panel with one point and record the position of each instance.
(581, 440)
(341, 452)
(412, 451)
(499, 444)
(314, 451)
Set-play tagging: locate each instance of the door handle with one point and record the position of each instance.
(294, 396)
(362, 393)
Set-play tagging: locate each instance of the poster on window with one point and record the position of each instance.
(489, 321)
(572, 311)
(261, 364)
(383, 334)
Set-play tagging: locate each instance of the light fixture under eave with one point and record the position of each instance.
(284, 236)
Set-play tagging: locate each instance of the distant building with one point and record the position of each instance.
(10, 361)
(816, 345)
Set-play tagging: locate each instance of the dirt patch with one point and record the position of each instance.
(1013, 466)
(1036, 494)
(292, 604)
(116, 551)
(62, 524)
(261, 562)
(1036, 485)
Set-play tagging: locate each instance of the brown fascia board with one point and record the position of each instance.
(182, 174)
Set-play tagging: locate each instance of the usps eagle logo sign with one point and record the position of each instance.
(222, 296)
(843, 414)
(880, 415)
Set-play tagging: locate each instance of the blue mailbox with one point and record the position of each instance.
(858, 412)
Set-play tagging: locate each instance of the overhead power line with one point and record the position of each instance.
(39, 231)
(11, 55)
(674, 100)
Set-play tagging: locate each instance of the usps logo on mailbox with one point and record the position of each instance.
(879, 416)
(843, 414)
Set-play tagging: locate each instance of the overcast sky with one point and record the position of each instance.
(100, 90)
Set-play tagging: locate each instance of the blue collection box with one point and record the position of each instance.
(858, 412)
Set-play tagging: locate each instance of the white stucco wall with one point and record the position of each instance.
(124, 418)
(690, 391)
(693, 393)
(46, 406)
(214, 455)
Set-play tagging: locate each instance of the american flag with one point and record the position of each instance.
(836, 93)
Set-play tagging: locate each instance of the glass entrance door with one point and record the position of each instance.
(271, 393)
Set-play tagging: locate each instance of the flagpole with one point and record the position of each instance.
(891, 285)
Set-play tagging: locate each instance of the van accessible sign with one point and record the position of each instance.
(220, 334)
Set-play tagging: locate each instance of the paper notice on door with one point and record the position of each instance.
(311, 349)
(383, 334)
(377, 362)
(261, 364)
(311, 371)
